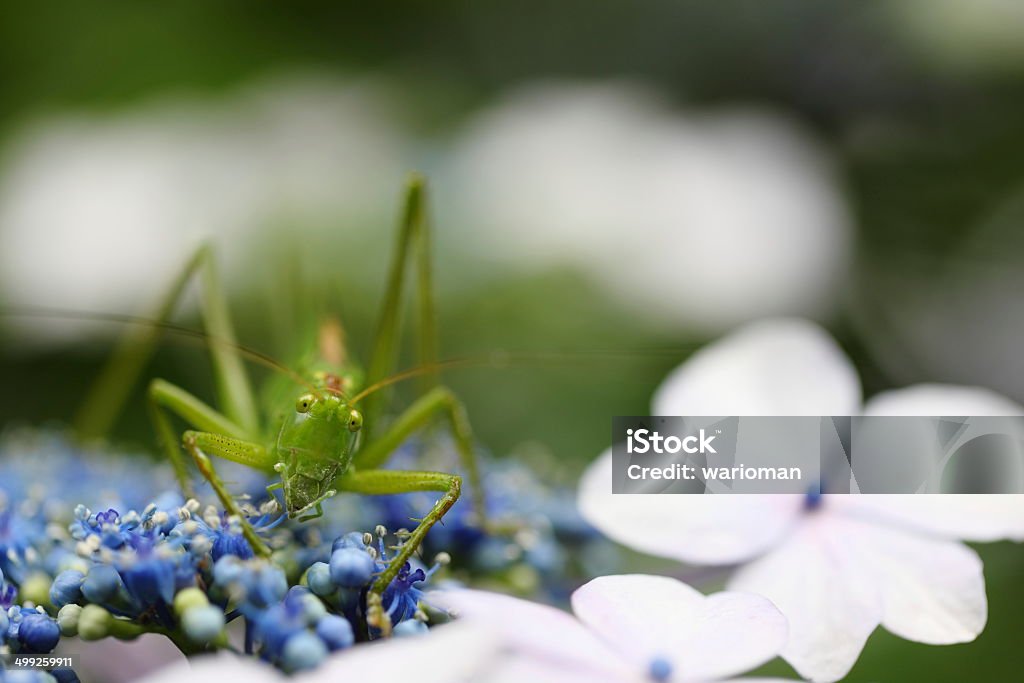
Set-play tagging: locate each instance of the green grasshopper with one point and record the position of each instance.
(326, 442)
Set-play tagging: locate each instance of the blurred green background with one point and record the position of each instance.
(904, 122)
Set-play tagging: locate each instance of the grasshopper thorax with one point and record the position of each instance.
(315, 446)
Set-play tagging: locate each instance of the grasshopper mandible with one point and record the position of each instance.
(326, 442)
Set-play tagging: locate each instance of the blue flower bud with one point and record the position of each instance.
(67, 588)
(227, 569)
(409, 627)
(349, 540)
(38, 633)
(268, 586)
(301, 601)
(5, 623)
(318, 578)
(303, 651)
(101, 583)
(351, 568)
(203, 624)
(336, 632)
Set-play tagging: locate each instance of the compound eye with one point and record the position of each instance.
(304, 403)
(355, 421)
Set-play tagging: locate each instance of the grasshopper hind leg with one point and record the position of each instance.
(386, 482)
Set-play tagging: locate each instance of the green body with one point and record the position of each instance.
(315, 446)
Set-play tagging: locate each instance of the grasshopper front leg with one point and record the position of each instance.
(441, 403)
(387, 482)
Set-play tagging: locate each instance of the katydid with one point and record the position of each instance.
(326, 442)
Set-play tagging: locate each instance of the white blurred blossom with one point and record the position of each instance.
(837, 566)
(98, 211)
(704, 218)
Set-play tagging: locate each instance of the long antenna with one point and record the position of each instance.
(250, 354)
(502, 359)
(495, 359)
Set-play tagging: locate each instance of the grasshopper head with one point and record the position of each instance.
(316, 444)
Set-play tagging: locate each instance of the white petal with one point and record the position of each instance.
(778, 366)
(970, 517)
(218, 668)
(933, 591)
(941, 400)
(702, 529)
(528, 669)
(998, 469)
(453, 653)
(821, 580)
(538, 631)
(703, 637)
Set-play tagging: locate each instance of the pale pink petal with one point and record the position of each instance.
(704, 637)
(821, 580)
(217, 668)
(701, 529)
(527, 669)
(941, 400)
(932, 591)
(119, 661)
(538, 631)
(970, 517)
(779, 366)
(453, 653)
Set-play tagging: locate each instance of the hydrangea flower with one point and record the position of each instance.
(837, 566)
(172, 571)
(163, 567)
